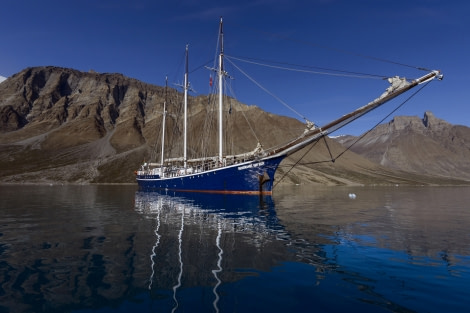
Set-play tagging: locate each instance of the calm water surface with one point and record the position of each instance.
(341, 249)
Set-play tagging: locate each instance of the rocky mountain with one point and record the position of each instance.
(60, 125)
(427, 145)
(63, 125)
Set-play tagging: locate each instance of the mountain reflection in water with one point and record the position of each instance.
(115, 249)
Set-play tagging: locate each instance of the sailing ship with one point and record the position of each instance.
(252, 172)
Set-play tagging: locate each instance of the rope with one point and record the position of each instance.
(382, 120)
(295, 164)
(244, 115)
(303, 42)
(329, 150)
(267, 91)
(343, 73)
(349, 147)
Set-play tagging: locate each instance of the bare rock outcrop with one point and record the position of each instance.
(62, 118)
(429, 146)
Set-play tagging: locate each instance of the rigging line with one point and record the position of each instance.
(160, 131)
(201, 66)
(383, 119)
(179, 69)
(177, 121)
(329, 150)
(287, 38)
(345, 73)
(267, 91)
(296, 163)
(363, 135)
(244, 115)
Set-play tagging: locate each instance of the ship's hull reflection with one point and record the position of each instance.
(205, 240)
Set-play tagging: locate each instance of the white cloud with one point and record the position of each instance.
(2, 78)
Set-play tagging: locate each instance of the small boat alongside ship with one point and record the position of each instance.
(252, 172)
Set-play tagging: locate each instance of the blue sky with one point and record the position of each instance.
(146, 39)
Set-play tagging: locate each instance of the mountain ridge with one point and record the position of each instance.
(426, 145)
(60, 125)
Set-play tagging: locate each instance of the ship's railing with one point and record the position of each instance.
(174, 167)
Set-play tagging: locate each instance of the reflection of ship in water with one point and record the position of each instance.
(154, 253)
(203, 240)
(167, 250)
(203, 231)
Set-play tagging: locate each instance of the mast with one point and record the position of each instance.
(163, 127)
(186, 85)
(221, 74)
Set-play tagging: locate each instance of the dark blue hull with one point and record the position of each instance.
(255, 177)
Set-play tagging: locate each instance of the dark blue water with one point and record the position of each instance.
(335, 249)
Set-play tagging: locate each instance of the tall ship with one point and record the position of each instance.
(251, 172)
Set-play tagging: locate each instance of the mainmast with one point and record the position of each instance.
(186, 86)
(221, 77)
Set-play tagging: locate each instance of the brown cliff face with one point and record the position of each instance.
(60, 125)
(63, 125)
(428, 146)
(88, 105)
